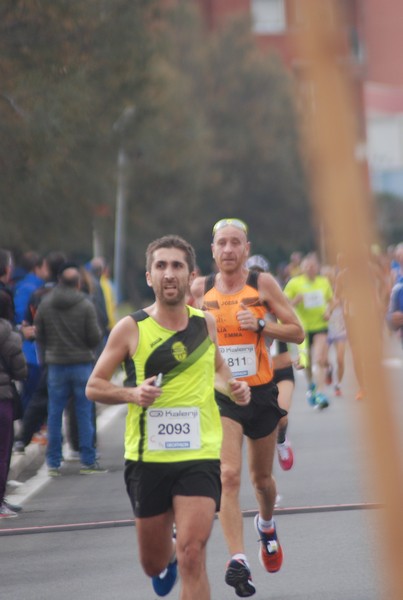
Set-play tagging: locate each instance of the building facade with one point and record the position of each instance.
(373, 31)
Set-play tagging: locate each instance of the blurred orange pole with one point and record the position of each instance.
(342, 203)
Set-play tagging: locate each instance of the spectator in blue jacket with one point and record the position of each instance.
(37, 272)
(395, 310)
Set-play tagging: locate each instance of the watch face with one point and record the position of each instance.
(262, 324)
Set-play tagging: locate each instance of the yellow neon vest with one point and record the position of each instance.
(187, 361)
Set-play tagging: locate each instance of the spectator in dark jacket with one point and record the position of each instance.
(12, 367)
(98, 298)
(67, 333)
(6, 295)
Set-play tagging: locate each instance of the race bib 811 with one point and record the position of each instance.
(241, 359)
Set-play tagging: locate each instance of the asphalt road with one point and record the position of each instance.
(75, 537)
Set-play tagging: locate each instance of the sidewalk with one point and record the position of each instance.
(35, 453)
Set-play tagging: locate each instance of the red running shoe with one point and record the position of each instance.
(270, 551)
(285, 455)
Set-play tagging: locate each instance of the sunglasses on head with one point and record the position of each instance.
(233, 222)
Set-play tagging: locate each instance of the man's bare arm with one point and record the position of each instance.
(197, 291)
(122, 342)
(225, 383)
(288, 327)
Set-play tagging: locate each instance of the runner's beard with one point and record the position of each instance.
(174, 299)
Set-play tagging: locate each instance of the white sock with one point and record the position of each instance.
(265, 525)
(173, 558)
(241, 556)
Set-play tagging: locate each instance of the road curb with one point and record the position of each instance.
(21, 462)
(35, 453)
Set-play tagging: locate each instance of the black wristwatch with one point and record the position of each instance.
(261, 324)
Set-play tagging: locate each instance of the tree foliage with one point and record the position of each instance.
(67, 71)
(213, 132)
(257, 169)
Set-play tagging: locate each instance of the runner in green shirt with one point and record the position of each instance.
(311, 295)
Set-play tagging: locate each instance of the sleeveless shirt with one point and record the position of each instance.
(183, 423)
(244, 351)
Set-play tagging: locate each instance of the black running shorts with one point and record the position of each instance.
(311, 335)
(285, 374)
(152, 486)
(260, 417)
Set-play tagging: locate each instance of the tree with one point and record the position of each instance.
(214, 132)
(244, 123)
(257, 171)
(68, 69)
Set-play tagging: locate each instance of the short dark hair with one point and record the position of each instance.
(171, 241)
(30, 260)
(97, 266)
(55, 259)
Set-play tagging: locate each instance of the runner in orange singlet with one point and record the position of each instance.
(239, 300)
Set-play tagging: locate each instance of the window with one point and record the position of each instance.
(268, 16)
(385, 142)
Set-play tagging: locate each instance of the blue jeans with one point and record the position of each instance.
(65, 381)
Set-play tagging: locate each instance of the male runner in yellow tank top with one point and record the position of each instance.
(173, 430)
(239, 300)
(311, 295)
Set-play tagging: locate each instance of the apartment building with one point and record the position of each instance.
(374, 31)
(382, 30)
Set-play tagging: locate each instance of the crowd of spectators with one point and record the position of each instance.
(55, 317)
